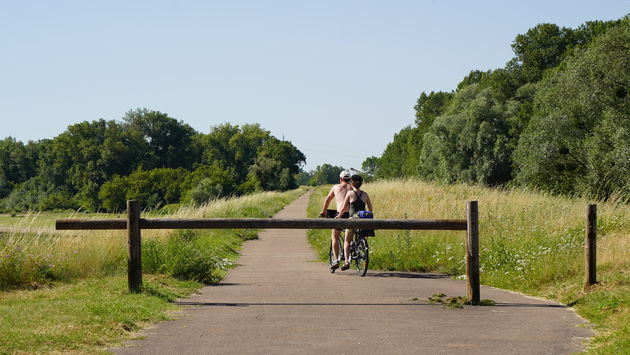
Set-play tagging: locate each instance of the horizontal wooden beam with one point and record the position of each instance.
(263, 223)
(90, 224)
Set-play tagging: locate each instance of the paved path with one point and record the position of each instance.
(281, 301)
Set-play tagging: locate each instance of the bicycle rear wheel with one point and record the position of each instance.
(362, 256)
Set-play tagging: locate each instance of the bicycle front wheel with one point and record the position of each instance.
(362, 256)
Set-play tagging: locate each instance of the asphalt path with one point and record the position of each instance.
(281, 300)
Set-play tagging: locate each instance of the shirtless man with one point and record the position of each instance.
(338, 192)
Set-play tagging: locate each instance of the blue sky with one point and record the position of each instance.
(336, 78)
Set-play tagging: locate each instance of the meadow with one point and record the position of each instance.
(530, 242)
(67, 290)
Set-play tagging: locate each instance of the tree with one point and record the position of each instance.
(578, 139)
(233, 148)
(474, 77)
(469, 142)
(325, 174)
(209, 182)
(370, 167)
(18, 163)
(303, 177)
(541, 48)
(272, 158)
(428, 107)
(394, 155)
(169, 141)
(155, 188)
(86, 155)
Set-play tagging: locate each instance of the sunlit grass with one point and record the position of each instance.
(32, 252)
(83, 317)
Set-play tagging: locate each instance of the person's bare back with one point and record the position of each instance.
(338, 192)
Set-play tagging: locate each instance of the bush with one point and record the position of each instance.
(186, 255)
(154, 188)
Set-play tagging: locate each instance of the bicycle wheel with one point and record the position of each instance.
(331, 256)
(362, 256)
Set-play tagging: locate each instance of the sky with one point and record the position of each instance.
(336, 78)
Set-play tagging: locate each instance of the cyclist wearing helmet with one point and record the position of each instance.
(338, 192)
(355, 201)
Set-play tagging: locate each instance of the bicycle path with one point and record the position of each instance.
(281, 300)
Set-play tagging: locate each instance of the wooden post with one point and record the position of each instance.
(134, 264)
(472, 253)
(590, 247)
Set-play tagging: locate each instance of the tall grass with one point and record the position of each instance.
(529, 242)
(526, 238)
(32, 254)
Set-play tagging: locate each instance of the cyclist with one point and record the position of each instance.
(355, 201)
(338, 192)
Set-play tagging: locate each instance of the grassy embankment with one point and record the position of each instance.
(529, 242)
(67, 291)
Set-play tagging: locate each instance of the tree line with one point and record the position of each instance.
(148, 155)
(556, 118)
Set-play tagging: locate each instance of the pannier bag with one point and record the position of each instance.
(365, 232)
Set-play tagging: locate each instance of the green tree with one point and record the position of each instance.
(155, 188)
(578, 139)
(325, 174)
(86, 155)
(430, 106)
(370, 167)
(470, 141)
(267, 172)
(541, 48)
(18, 163)
(233, 148)
(303, 177)
(208, 182)
(395, 155)
(169, 141)
(113, 194)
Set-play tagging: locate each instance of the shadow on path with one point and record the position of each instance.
(418, 303)
(407, 275)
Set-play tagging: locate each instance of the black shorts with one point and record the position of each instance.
(333, 214)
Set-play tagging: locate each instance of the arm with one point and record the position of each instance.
(329, 198)
(368, 202)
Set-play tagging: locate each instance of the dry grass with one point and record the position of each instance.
(509, 216)
(614, 249)
(526, 238)
(31, 250)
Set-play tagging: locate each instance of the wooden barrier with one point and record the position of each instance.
(134, 262)
(472, 253)
(134, 224)
(590, 247)
(264, 223)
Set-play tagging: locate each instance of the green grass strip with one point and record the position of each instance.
(85, 316)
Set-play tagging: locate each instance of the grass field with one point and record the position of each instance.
(67, 292)
(40, 221)
(529, 242)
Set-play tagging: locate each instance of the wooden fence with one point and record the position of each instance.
(134, 224)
